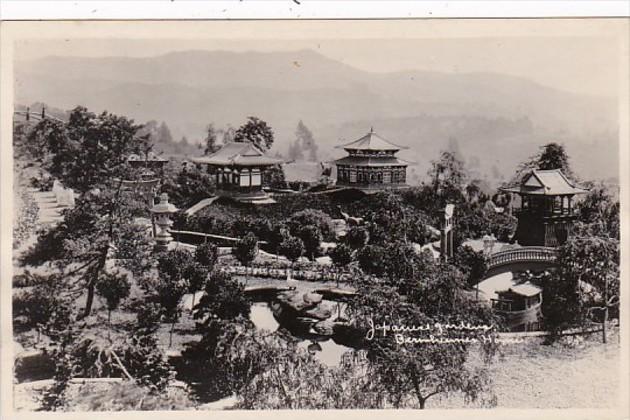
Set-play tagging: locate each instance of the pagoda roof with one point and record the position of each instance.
(371, 141)
(546, 182)
(238, 154)
(371, 161)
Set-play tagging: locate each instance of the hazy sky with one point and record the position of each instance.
(575, 64)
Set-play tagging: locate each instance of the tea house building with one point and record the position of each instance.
(238, 169)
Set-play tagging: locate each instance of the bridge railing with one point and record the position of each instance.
(525, 254)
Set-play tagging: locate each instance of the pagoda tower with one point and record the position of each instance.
(371, 164)
(546, 215)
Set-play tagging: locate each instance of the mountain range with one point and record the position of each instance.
(494, 120)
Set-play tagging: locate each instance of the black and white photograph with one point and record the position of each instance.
(322, 215)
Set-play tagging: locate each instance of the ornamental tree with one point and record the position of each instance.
(171, 284)
(448, 177)
(43, 307)
(471, 263)
(372, 260)
(587, 279)
(318, 218)
(210, 141)
(222, 313)
(246, 249)
(356, 237)
(207, 255)
(89, 154)
(312, 238)
(113, 287)
(341, 256)
(598, 213)
(550, 156)
(408, 374)
(98, 231)
(292, 248)
(90, 151)
(257, 132)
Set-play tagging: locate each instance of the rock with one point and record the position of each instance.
(312, 297)
(318, 312)
(314, 347)
(295, 300)
(324, 327)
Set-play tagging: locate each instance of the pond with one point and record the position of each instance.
(327, 349)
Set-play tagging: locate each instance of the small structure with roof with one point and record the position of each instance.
(546, 214)
(520, 306)
(238, 169)
(150, 163)
(371, 164)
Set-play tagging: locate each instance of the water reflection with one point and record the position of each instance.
(328, 352)
(262, 317)
(325, 349)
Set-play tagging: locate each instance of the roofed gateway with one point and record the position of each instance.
(238, 169)
(371, 164)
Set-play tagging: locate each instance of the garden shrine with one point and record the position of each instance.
(238, 169)
(371, 164)
(546, 214)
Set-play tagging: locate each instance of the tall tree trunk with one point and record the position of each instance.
(102, 258)
(416, 387)
(170, 335)
(91, 285)
(604, 340)
(605, 311)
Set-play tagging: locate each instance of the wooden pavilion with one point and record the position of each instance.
(546, 214)
(238, 169)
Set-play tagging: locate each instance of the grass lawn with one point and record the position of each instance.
(573, 373)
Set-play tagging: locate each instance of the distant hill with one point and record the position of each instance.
(497, 118)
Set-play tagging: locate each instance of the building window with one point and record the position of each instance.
(256, 179)
(353, 176)
(387, 177)
(244, 179)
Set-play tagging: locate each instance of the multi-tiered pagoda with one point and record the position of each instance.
(546, 214)
(371, 164)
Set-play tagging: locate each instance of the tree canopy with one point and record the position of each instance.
(257, 132)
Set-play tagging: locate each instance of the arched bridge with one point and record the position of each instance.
(525, 258)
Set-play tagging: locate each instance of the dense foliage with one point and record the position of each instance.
(187, 186)
(255, 131)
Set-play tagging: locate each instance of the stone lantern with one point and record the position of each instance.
(161, 214)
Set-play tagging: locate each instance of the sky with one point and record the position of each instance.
(578, 64)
